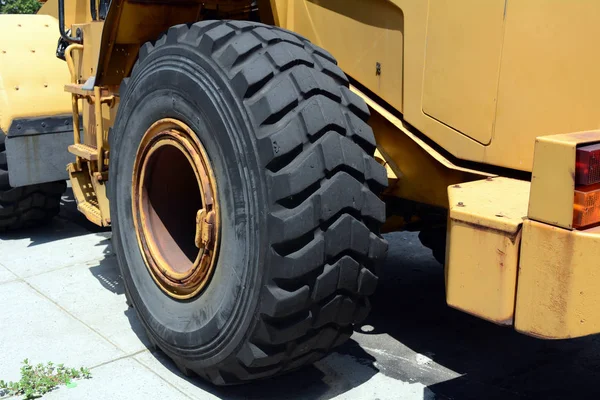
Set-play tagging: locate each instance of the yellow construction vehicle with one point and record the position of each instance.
(248, 155)
(35, 121)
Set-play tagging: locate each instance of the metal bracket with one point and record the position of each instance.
(205, 223)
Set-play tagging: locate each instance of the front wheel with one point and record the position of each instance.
(244, 199)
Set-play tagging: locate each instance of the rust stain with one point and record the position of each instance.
(178, 271)
(512, 236)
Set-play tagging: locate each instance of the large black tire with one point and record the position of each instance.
(26, 206)
(297, 187)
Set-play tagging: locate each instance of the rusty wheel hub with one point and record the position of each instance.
(175, 210)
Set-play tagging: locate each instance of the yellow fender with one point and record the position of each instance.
(32, 78)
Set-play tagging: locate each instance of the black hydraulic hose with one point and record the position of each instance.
(93, 10)
(61, 24)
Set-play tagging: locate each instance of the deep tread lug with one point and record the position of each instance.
(284, 56)
(252, 356)
(213, 39)
(356, 104)
(270, 108)
(367, 282)
(331, 69)
(239, 48)
(280, 303)
(326, 283)
(252, 77)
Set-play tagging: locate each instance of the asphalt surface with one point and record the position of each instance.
(62, 301)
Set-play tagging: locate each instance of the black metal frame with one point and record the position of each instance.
(40, 125)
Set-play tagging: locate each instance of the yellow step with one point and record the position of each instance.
(91, 212)
(84, 151)
(80, 90)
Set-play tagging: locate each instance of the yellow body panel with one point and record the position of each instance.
(559, 282)
(549, 82)
(546, 82)
(31, 77)
(553, 180)
(369, 32)
(76, 11)
(129, 25)
(423, 172)
(460, 82)
(482, 254)
(93, 34)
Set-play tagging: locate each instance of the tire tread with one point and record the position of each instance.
(26, 206)
(324, 213)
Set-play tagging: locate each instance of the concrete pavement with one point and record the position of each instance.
(62, 300)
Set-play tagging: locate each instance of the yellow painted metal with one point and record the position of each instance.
(546, 81)
(89, 190)
(92, 32)
(99, 128)
(31, 77)
(99, 181)
(88, 174)
(482, 257)
(70, 59)
(460, 82)
(549, 82)
(360, 34)
(83, 151)
(553, 178)
(392, 177)
(76, 11)
(172, 270)
(83, 191)
(559, 282)
(130, 24)
(423, 173)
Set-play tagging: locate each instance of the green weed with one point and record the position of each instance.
(40, 379)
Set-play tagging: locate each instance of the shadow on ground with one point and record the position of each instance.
(330, 377)
(68, 224)
(495, 362)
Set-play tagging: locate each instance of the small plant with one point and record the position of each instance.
(40, 379)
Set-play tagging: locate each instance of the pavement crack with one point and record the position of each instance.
(123, 357)
(73, 316)
(163, 379)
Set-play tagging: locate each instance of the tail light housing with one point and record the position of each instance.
(586, 205)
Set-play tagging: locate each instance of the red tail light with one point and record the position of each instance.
(587, 167)
(586, 204)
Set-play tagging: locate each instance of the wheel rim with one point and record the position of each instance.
(175, 210)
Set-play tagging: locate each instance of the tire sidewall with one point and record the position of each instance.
(178, 82)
